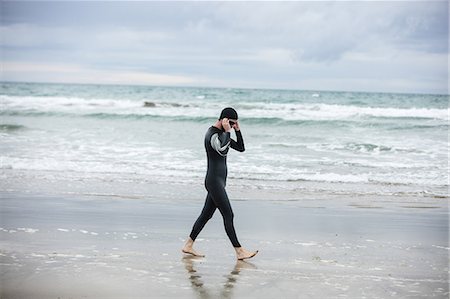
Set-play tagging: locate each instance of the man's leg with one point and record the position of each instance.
(222, 202)
(208, 211)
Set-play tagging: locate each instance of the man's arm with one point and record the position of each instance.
(220, 142)
(239, 144)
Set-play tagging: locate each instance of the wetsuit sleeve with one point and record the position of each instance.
(239, 144)
(221, 142)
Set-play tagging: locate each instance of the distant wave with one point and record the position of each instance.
(345, 123)
(360, 147)
(363, 148)
(368, 147)
(64, 103)
(200, 119)
(33, 113)
(11, 127)
(252, 112)
(327, 111)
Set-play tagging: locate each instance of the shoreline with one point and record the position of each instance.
(136, 186)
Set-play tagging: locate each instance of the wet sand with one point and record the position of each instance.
(101, 247)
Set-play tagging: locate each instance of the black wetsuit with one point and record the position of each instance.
(217, 143)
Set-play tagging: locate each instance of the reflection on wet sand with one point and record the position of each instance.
(198, 285)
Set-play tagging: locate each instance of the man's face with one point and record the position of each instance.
(232, 122)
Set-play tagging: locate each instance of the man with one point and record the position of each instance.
(217, 143)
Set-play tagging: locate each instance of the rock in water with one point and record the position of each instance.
(149, 104)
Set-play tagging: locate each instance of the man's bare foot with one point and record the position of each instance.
(188, 248)
(242, 253)
(191, 251)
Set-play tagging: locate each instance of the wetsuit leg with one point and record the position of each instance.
(222, 202)
(208, 210)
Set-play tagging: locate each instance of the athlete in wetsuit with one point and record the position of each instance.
(217, 143)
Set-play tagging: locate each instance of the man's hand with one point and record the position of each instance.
(226, 125)
(236, 126)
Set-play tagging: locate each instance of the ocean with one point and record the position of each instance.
(303, 142)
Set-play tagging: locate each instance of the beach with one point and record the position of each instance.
(103, 247)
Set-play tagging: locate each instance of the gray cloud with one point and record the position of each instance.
(263, 44)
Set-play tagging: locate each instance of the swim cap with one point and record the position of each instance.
(228, 113)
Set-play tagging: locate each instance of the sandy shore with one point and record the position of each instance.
(101, 247)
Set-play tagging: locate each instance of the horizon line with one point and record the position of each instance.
(226, 87)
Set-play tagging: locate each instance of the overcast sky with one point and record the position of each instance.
(355, 46)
